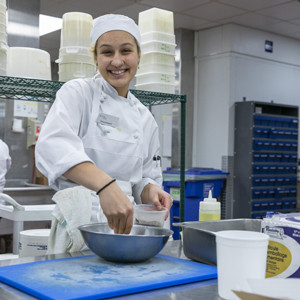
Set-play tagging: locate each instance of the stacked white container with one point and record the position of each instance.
(3, 38)
(75, 59)
(157, 66)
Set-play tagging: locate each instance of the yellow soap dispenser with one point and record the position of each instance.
(209, 209)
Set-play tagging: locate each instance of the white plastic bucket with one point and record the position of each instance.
(241, 255)
(28, 63)
(68, 71)
(76, 28)
(33, 242)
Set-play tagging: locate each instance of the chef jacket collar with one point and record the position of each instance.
(112, 92)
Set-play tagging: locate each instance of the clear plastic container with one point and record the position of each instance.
(158, 46)
(68, 71)
(156, 87)
(157, 58)
(160, 68)
(156, 19)
(155, 77)
(147, 214)
(158, 36)
(76, 28)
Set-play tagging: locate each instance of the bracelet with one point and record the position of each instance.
(105, 186)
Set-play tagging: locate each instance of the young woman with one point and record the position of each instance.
(97, 132)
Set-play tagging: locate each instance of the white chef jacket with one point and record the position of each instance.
(89, 121)
(5, 163)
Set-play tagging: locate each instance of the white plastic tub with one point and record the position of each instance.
(68, 71)
(33, 242)
(157, 87)
(158, 46)
(158, 36)
(156, 19)
(157, 58)
(146, 78)
(156, 68)
(28, 63)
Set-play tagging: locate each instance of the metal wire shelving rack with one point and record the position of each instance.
(27, 89)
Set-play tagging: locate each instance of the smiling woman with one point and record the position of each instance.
(97, 131)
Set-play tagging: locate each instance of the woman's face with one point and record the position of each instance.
(117, 59)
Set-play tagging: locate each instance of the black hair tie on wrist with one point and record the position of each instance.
(104, 187)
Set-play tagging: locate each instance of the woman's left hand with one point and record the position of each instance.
(154, 194)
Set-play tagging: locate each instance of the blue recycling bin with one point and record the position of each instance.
(198, 182)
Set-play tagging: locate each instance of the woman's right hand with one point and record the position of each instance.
(115, 204)
(117, 208)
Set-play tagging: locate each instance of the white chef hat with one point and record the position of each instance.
(111, 22)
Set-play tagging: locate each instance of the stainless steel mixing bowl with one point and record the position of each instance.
(142, 243)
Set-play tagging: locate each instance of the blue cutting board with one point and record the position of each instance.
(90, 277)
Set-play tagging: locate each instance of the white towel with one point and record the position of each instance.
(75, 206)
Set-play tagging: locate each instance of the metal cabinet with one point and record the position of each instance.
(265, 159)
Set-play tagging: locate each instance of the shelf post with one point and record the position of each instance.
(182, 160)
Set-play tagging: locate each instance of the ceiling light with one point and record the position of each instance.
(49, 24)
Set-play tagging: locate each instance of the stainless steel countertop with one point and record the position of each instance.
(207, 289)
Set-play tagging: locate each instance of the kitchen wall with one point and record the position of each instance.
(231, 63)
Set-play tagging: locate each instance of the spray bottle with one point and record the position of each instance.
(209, 209)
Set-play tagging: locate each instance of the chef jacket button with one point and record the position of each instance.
(135, 136)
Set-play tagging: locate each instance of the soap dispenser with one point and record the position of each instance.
(209, 209)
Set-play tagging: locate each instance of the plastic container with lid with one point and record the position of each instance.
(158, 46)
(209, 209)
(144, 78)
(149, 215)
(157, 87)
(156, 68)
(156, 19)
(158, 36)
(157, 58)
(68, 71)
